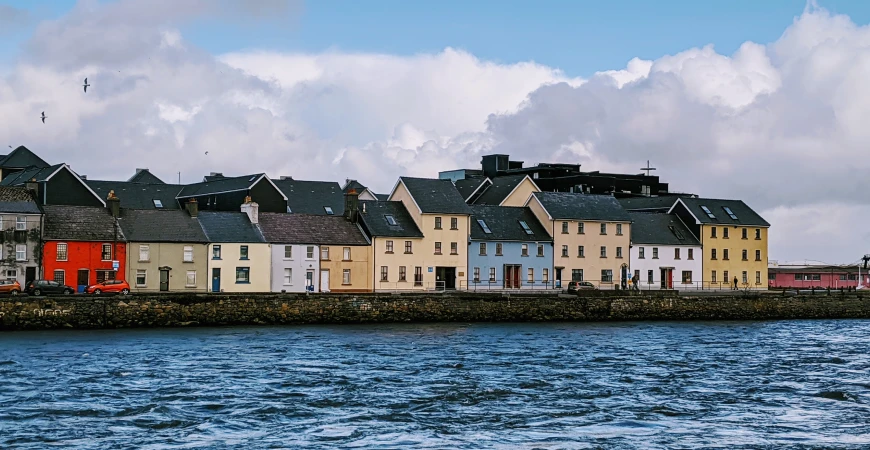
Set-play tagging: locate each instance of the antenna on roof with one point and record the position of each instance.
(648, 169)
(179, 177)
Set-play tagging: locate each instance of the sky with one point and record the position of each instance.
(761, 101)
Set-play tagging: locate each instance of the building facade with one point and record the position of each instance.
(664, 253)
(21, 225)
(818, 276)
(239, 259)
(397, 259)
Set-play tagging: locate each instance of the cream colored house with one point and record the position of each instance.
(509, 190)
(398, 258)
(239, 258)
(591, 237)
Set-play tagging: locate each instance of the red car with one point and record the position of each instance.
(109, 287)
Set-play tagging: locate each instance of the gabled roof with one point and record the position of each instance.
(310, 229)
(500, 188)
(223, 185)
(21, 158)
(435, 196)
(80, 223)
(575, 206)
(311, 197)
(229, 227)
(142, 225)
(145, 176)
(373, 216)
(467, 186)
(359, 187)
(503, 223)
(660, 229)
(138, 195)
(382, 197)
(17, 200)
(743, 213)
(44, 175)
(660, 203)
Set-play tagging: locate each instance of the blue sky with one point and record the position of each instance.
(579, 37)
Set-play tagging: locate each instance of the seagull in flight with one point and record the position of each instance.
(206, 153)
(43, 117)
(86, 85)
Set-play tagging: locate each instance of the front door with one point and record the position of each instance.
(164, 280)
(309, 280)
(445, 278)
(558, 277)
(29, 275)
(667, 282)
(83, 279)
(216, 279)
(324, 281)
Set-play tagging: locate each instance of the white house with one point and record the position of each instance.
(664, 253)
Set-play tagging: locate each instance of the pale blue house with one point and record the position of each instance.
(508, 249)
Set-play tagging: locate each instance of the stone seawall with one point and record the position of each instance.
(37, 313)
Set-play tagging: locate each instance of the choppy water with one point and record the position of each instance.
(633, 385)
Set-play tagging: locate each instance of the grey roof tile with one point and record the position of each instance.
(436, 196)
(80, 223)
(21, 158)
(311, 197)
(467, 186)
(660, 203)
(745, 215)
(138, 195)
(219, 185)
(145, 176)
(142, 225)
(374, 219)
(310, 229)
(499, 189)
(660, 229)
(504, 224)
(229, 227)
(575, 206)
(17, 200)
(34, 173)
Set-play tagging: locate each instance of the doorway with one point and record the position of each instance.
(309, 280)
(512, 276)
(558, 277)
(29, 275)
(216, 279)
(164, 279)
(83, 278)
(445, 278)
(324, 281)
(667, 278)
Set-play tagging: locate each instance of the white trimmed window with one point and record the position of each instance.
(61, 251)
(288, 277)
(21, 252)
(288, 252)
(345, 276)
(346, 255)
(309, 252)
(188, 253)
(191, 278)
(21, 223)
(141, 279)
(144, 253)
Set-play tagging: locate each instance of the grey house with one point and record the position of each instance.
(21, 223)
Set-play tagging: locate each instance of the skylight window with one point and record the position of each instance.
(328, 210)
(157, 203)
(730, 213)
(391, 220)
(707, 212)
(252, 178)
(484, 226)
(526, 227)
(676, 232)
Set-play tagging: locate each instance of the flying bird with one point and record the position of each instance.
(86, 85)
(43, 117)
(205, 152)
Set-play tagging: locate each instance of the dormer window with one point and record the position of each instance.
(526, 227)
(707, 212)
(484, 226)
(391, 221)
(328, 210)
(157, 203)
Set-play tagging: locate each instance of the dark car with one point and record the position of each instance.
(42, 287)
(575, 286)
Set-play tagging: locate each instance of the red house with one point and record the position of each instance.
(83, 245)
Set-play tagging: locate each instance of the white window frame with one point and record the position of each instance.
(345, 276)
(20, 223)
(309, 252)
(21, 252)
(65, 252)
(103, 252)
(288, 276)
(288, 252)
(147, 252)
(144, 274)
(346, 254)
(187, 278)
(188, 251)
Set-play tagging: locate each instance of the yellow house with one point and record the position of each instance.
(398, 257)
(733, 241)
(591, 237)
(239, 259)
(442, 215)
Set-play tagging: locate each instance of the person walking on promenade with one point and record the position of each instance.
(735, 284)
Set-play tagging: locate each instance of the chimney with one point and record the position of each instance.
(33, 187)
(114, 204)
(193, 208)
(251, 208)
(351, 205)
(83, 177)
(286, 177)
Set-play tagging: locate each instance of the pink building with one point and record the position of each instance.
(817, 276)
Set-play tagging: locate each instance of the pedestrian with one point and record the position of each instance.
(634, 282)
(735, 284)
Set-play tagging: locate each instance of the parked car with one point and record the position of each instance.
(574, 286)
(109, 287)
(10, 287)
(40, 287)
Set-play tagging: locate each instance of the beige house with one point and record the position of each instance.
(591, 237)
(398, 259)
(239, 259)
(509, 190)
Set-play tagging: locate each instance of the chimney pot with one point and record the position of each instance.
(193, 208)
(114, 204)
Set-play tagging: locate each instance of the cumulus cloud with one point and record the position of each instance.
(781, 125)
(12, 18)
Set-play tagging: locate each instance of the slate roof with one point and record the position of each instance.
(80, 223)
(218, 185)
(745, 215)
(353, 184)
(38, 173)
(436, 196)
(575, 206)
(229, 227)
(468, 185)
(660, 203)
(310, 197)
(310, 229)
(504, 224)
(17, 200)
(21, 158)
(375, 222)
(142, 225)
(138, 195)
(499, 189)
(660, 229)
(383, 197)
(145, 176)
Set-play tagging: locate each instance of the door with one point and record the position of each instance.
(29, 275)
(667, 281)
(450, 278)
(216, 280)
(309, 280)
(558, 277)
(164, 280)
(82, 278)
(324, 281)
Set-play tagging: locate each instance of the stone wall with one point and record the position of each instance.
(32, 313)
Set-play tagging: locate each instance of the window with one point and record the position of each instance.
(745, 279)
(576, 274)
(492, 274)
(408, 247)
(384, 273)
(655, 253)
(328, 210)
(437, 223)
(243, 275)
(60, 277)
(345, 254)
(712, 232)
(11, 274)
(288, 277)
(713, 276)
(107, 252)
(454, 223)
(581, 228)
(707, 212)
(757, 277)
(243, 252)
(743, 233)
(483, 248)
(103, 275)
(531, 275)
(725, 254)
(526, 227)
(729, 212)
(545, 275)
(565, 251)
(483, 225)
(541, 250)
(144, 253)
(454, 248)
(309, 252)
(21, 223)
(391, 221)
(619, 229)
(403, 276)
(619, 252)
(725, 276)
(606, 276)
(691, 253)
(758, 255)
(676, 253)
(216, 252)
(725, 233)
(345, 276)
(140, 278)
(389, 246)
(641, 253)
(712, 253)
(324, 253)
(21, 252)
(649, 276)
(564, 227)
(745, 255)
(603, 228)
(157, 203)
(288, 252)
(758, 233)
(498, 248)
(687, 277)
(581, 251)
(477, 274)
(61, 251)
(418, 276)
(603, 251)
(191, 278)
(437, 248)
(525, 250)
(188, 253)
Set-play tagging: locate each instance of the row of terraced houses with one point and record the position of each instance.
(464, 230)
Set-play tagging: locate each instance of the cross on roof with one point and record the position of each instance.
(648, 169)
